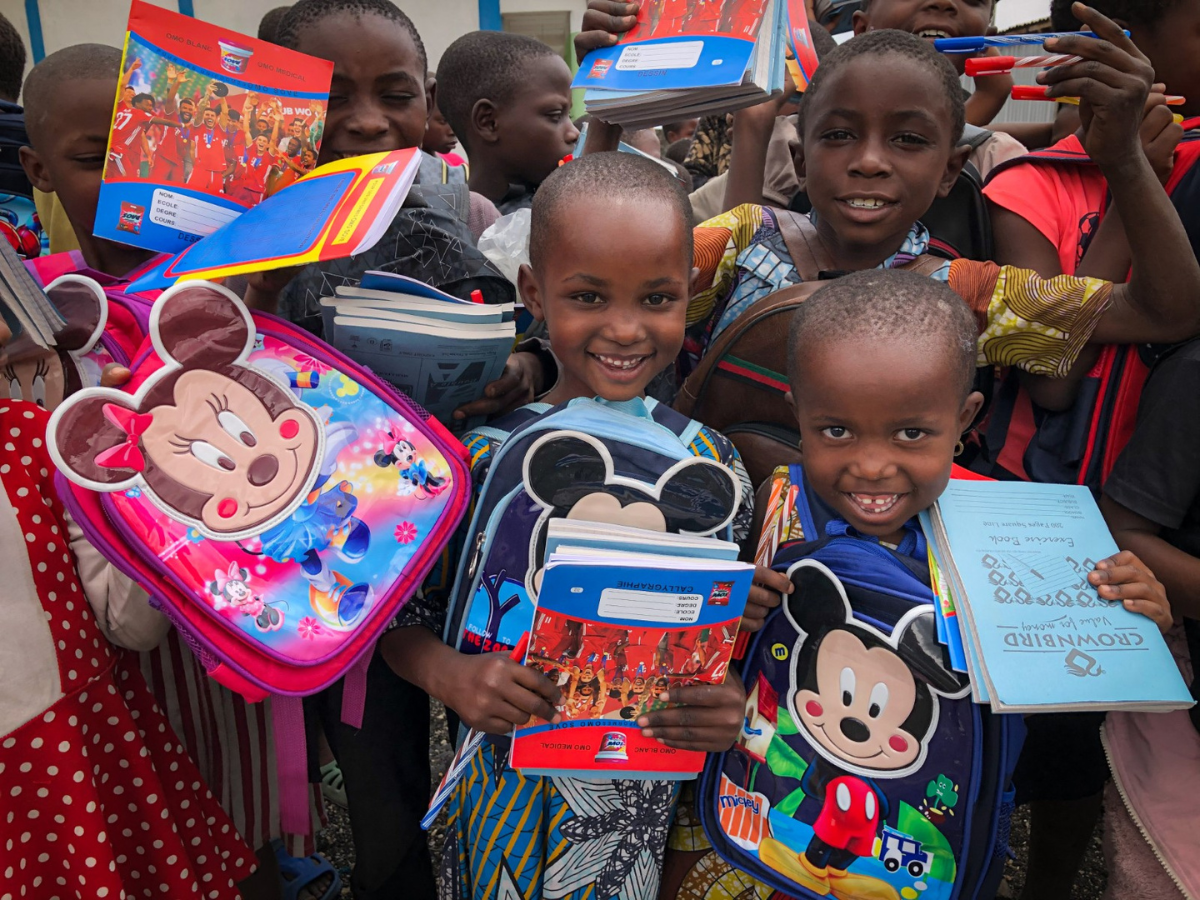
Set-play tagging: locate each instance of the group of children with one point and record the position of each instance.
(883, 373)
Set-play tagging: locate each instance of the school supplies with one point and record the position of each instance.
(999, 65)
(206, 122)
(800, 55)
(1038, 636)
(615, 628)
(342, 209)
(1038, 92)
(24, 307)
(438, 349)
(980, 43)
(685, 59)
(862, 769)
(471, 742)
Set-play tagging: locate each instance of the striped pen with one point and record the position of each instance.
(1000, 65)
(980, 43)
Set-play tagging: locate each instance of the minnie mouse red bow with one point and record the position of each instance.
(127, 455)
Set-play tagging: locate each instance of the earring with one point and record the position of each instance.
(959, 448)
(800, 445)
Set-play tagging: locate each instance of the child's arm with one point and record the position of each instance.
(706, 717)
(991, 93)
(752, 130)
(603, 24)
(1112, 81)
(489, 691)
(122, 608)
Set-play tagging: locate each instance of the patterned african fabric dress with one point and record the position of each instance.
(99, 798)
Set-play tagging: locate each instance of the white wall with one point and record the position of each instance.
(66, 22)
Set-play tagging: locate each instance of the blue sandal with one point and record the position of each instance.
(298, 872)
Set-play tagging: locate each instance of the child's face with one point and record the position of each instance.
(439, 136)
(613, 291)
(877, 150)
(929, 19)
(377, 100)
(535, 124)
(72, 148)
(879, 421)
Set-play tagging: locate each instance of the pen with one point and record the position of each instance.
(998, 65)
(1037, 92)
(462, 757)
(982, 42)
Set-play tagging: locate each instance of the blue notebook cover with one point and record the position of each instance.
(1022, 554)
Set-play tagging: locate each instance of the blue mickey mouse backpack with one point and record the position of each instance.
(621, 463)
(863, 771)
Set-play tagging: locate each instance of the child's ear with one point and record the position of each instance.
(860, 22)
(527, 287)
(430, 95)
(483, 120)
(954, 165)
(971, 407)
(694, 284)
(798, 161)
(35, 170)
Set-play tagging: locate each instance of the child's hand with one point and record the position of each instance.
(1124, 577)
(708, 718)
(603, 24)
(517, 385)
(492, 693)
(765, 594)
(1160, 133)
(114, 375)
(1112, 81)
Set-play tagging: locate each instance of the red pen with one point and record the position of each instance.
(477, 296)
(1037, 92)
(518, 652)
(998, 65)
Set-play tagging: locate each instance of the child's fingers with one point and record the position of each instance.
(610, 16)
(533, 680)
(776, 581)
(1159, 613)
(1104, 27)
(527, 702)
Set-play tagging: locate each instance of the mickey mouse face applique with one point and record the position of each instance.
(217, 444)
(571, 475)
(865, 700)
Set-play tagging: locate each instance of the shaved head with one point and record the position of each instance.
(55, 73)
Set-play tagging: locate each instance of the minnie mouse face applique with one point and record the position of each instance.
(216, 443)
(865, 700)
(46, 376)
(571, 475)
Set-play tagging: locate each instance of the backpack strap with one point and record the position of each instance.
(804, 245)
(926, 264)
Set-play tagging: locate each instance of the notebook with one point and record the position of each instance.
(687, 59)
(1037, 636)
(615, 628)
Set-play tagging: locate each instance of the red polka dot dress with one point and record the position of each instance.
(97, 797)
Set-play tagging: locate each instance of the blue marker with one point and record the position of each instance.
(982, 42)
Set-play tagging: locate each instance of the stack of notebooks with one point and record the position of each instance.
(624, 615)
(438, 349)
(688, 58)
(1016, 612)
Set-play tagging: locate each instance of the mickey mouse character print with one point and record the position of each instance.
(867, 703)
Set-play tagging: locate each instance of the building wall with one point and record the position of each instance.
(66, 22)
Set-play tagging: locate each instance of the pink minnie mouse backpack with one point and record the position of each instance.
(237, 481)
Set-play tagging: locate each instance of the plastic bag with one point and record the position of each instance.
(506, 243)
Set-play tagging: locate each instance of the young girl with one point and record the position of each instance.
(615, 314)
(100, 798)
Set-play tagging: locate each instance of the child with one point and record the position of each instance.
(1152, 504)
(439, 136)
(101, 800)
(508, 98)
(16, 194)
(615, 314)
(881, 368)
(229, 738)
